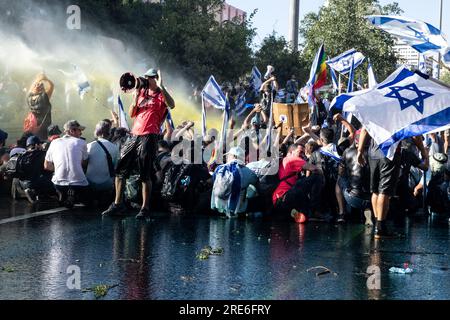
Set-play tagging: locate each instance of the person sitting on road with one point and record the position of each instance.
(231, 181)
(103, 157)
(33, 178)
(67, 156)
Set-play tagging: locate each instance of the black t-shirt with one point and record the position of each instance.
(358, 177)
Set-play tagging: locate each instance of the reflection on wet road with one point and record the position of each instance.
(262, 259)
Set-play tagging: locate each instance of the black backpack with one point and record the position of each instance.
(176, 182)
(11, 166)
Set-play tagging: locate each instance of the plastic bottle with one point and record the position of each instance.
(405, 270)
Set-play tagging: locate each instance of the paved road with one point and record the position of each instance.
(156, 259)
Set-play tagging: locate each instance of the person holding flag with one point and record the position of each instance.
(40, 116)
(149, 112)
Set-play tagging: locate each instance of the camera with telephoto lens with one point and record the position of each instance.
(129, 82)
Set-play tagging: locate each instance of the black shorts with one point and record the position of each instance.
(138, 152)
(384, 175)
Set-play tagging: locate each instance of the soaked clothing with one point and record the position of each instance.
(41, 108)
(140, 152)
(358, 177)
(384, 173)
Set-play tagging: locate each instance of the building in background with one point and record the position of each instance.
(229, 13)
(409, 56)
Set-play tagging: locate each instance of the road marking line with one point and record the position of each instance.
(33, 215)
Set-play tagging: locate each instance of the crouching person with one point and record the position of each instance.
(67, 156)
(297, 195)
(102, 161)
(231, 181)
(33, 179)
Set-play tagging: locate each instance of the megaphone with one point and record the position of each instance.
(268, 74)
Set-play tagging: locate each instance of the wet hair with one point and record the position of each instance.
(327, 135)
(311, 147)
(22, 142)
(102, 129)
(294, 146)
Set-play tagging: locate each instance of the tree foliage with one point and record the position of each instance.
(276, 51)
(341, 26)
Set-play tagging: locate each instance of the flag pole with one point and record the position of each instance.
(440, 28)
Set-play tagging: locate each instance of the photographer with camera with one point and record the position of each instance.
(149, 112)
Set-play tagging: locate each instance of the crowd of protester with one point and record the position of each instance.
(333, 172)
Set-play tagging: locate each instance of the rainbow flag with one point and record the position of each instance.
(318, 74)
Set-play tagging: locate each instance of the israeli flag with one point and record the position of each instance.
(334, 80)
(255, 79)
(122, 115)
(420, 35)
(240, 104)
(404, 105)
(79, 79)
(351, 77)
(343, 62)
(213, 94)
(371, 75)
(422, 63)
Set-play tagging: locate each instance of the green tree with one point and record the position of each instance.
(341, 26)
(276, 51)
(446, 77)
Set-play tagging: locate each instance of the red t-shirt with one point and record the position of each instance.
(289, 165)
(151, 109)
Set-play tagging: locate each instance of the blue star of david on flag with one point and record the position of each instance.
(405, 102)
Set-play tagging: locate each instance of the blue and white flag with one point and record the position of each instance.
(351, 77)
(240, 104)
(334, 80)
(420, 35)
(343, 62)
(79, 79)
(422, 63)
(371, 75)
(122, 115)
(170, 120)
(404, 105)
(213, 94)
(255, 79)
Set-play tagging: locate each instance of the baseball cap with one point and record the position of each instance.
(33, 140)
(73, 124)
(151, 73)
(238, 152)
(53, 129)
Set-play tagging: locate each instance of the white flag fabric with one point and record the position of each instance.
(371, 75)
(122, 115)
(422, 63)
(79, 79)
(334, 80)
(420, 35)
(404, 105)
(213, 94)
(255, 79)
(343, 62)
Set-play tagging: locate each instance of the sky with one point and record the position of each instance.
(274, 14)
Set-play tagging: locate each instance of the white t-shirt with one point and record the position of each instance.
(67, 154)
(98, 170)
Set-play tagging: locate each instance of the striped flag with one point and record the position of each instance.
(334, 80)
(343, 62)
(122, 115)
(371, 75)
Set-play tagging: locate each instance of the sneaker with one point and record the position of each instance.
(298, 216)
(368, 216)
(70, 201)
(114, 210)
(340, 219)
(143, 213)
(30, 195)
